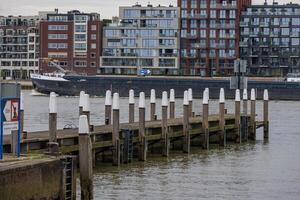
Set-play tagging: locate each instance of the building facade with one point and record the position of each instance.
(72, 40)
(19, 45)
(210, 36)
(270, 39)
(145, 37)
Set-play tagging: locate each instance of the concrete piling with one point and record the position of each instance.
(152, 105)
(266, 114)
(142, 139)
(131, 106)
(252, 134)
(222, 137)
(186, 125)
(81, 100)
(172, 104)
(238, 115)
(107, 107)
(53, 145)
(85, 159)
(164, 125)
(116, 129)
(205, 124)
(190, 99)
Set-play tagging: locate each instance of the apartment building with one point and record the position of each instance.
(144, 37)
(19, 44)
(270, 39)
(72, 40)
(210, 36)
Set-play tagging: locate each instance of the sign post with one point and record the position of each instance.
(10, 115)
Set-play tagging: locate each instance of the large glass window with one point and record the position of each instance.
(150, 43)
(58, 27)
(295, 41)
(285, 31)
(80, 18)
(57, 36)
(112, 33)
(80, 37)
(296, 21)
(80, 28)
(57, 45)
(80, 46)
(131, 13)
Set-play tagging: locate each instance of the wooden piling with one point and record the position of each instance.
(238, 115)
(205, 124)
(85, 159)
(152, 105)
(245, 102)
(222, 138)
(131, 106)
(164, 126)
(252, 134)
(186, 126)
(142, 139)
(172, 104)
(244, 118)
(108, 107)
(53, 146)
(266, 114)
(116, 130)
(81, 100)
(190, 98)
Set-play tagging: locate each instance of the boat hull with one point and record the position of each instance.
(97, 86)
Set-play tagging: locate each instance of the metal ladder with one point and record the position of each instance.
(128, 147)
(68, 178)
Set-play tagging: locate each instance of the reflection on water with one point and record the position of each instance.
(252, 171)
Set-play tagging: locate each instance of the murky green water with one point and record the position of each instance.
(251, 171)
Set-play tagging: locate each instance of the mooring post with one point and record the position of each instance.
(244, 118)
(164, 124)
(238, 115)
(222, 138)
(152, 105)
(107, 107)
(86, 107)
(190, 98)
(142, 139)
(53, 145)
(116, 129)
(131, 106)
(252, 134)
(85, 159)
(186, 126)
(172, 104)
(266, 114)
(81, 100)
(205, 123)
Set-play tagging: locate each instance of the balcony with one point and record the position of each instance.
(273, 34)
(295, 34)
(243, 44)
(167, 55)
(198, 45)
(252, 34)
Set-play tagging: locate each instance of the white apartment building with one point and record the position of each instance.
(145, 37)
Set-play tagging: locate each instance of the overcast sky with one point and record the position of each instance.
(107, 8)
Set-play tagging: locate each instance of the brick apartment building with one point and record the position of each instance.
(73, 40)
(210, 35)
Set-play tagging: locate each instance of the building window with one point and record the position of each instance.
(80, 18)
(213, 14)
(93, 37)
(93, 46)
(57, 36)
(184, 3)
(80, 37)
(58, 27)
(93, 27)
(57, 45)
(232, 14)
(60, 63)
(60, 18)
(295, 41)
(112, 33)
(80, 46)
(80, 28)
(212, 34)
(203, 33)
(222, 13)
(193, 4)
(80, 63)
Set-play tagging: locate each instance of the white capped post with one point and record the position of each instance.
(22, 115)
(81, 100)
(252, 134)
(131, 106)
(186, 125)
(245, 102)
(190, 99)
(164, 99)
(266, 114)
(116, 129)
(142, 147)
(52, 145)
(108, 102)
(172, 103)
(164, 125)
(52, 103)
(86, 106)
(222, 138)
(185, 98)
(85, 159)
(238, 115)
(205, 114)
(152, 105)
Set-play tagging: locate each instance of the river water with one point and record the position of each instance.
(259, 170)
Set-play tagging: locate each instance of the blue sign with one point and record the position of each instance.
(9, 121)
(145, 72)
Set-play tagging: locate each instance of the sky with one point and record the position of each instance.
(106, 8)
